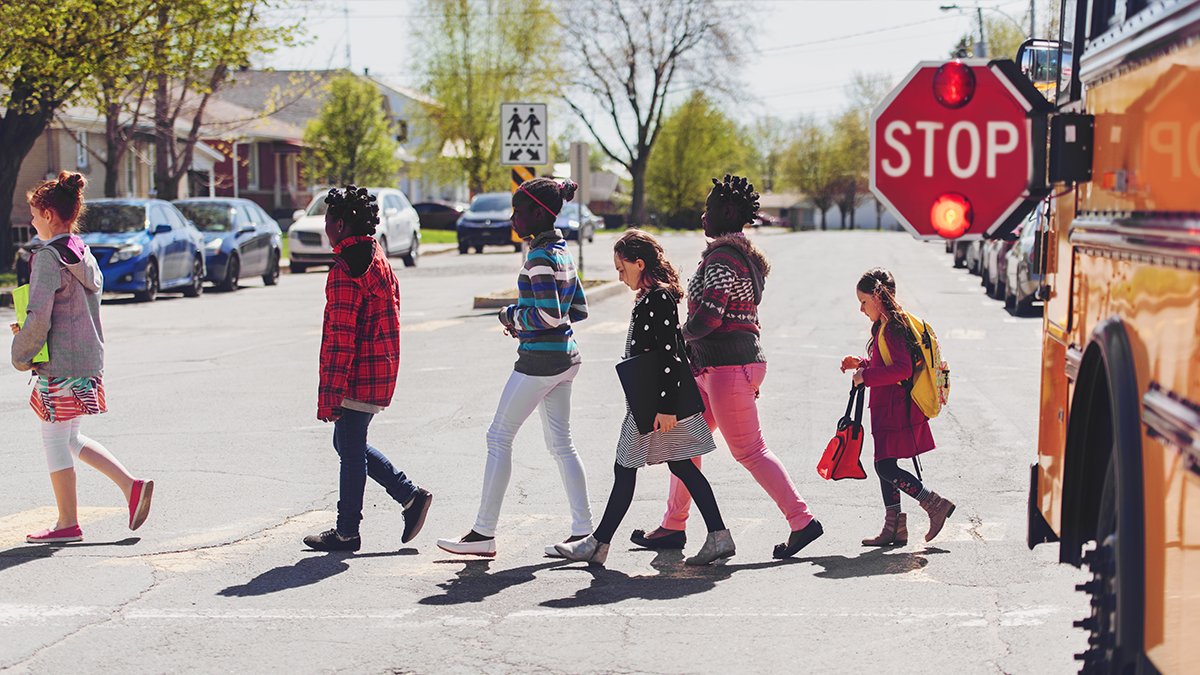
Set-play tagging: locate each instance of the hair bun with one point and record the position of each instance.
(566, 190)
(72, 181)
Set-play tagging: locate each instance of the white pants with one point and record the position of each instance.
(521, 396)
(63, 443)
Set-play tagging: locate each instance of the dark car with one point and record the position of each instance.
(144, 246)
(439, 215)
(240, 239)
(488, 222)
(573, 227)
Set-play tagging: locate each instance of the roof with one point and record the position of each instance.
(780, 200)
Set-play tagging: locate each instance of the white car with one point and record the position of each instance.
(398, 232)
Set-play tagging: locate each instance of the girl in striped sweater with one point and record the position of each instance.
(550, 300)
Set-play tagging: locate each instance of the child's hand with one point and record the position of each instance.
(858, 377)
(665, 423)
(15, 328)
(851, 363)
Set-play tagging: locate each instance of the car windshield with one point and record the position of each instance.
(113, 218)
(500, 202)
(569, 211)
(209, 217)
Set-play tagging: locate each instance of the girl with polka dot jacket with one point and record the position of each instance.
(654, 327)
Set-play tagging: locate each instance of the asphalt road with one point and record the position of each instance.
(214, 398)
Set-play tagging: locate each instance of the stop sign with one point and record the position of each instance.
(958, 149)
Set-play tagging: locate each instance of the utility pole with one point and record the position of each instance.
(983, 50)
(1032, 21)
(346, 15)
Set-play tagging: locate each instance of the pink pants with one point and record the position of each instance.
(730, 394)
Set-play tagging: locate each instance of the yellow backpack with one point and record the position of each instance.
(928, 387)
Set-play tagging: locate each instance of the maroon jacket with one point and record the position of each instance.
(360, 343)
(898, 426)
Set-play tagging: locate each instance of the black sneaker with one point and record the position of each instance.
(414, 515)
(798, 540)
(330, 540)
(673, 541)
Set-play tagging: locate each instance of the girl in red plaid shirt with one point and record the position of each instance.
(360, 359)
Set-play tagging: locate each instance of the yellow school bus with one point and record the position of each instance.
(1117, 478)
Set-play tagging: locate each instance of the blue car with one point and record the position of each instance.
(144, 246)
(240, 239)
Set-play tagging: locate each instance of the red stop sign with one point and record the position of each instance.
(958, 149)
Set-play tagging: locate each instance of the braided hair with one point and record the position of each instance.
(63, 196)
(739, 192)
(356, 207)
(880, 283)
(637, 245)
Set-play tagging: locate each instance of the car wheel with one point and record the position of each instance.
(463, 249)
(414, 251)
(479, 249)
(271, 276)
(150, 294)
(232, 271)
(383, 245)
(197, 286)
(297, 268)
(517, 248)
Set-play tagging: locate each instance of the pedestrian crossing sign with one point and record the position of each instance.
(523, 137)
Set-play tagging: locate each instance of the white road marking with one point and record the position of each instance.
(13, 528)
(427, 326)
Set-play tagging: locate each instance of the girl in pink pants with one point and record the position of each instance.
(722, 334)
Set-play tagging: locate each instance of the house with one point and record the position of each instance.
(791, 207)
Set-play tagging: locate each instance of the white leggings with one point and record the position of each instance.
(522, 395)
(63, 443)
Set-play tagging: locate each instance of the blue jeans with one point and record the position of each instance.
(360, 460)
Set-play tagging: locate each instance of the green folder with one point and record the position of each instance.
(20, 296)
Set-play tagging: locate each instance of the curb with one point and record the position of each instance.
(598, 293)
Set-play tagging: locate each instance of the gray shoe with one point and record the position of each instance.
(718, 545)
(584, 550)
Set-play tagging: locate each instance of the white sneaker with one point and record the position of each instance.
(552, 549)
(485, 548)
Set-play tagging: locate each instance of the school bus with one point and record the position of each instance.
(1117, 478)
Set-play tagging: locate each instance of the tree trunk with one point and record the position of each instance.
(878, 214)
(114, 150)
(823, 224)
(164, 135)
(852, 210)
(18, 133)
(637, 205)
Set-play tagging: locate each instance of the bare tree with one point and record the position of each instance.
(632, 55)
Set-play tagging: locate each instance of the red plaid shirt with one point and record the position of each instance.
(360, 343)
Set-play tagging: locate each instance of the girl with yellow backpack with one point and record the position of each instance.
(905, 391)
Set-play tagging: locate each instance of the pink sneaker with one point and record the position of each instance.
(139, 502)
(63, 536)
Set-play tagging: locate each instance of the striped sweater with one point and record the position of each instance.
(549, 299)
(723, 296)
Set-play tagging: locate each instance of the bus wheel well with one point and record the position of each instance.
(1089, 446)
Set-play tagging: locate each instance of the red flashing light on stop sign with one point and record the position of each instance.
(951, 215)
(954, 84)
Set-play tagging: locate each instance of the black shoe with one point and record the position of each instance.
(330, 540)
(414, 514)
(676, 540)
(799, 539)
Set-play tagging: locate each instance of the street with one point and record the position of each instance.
(214, 399)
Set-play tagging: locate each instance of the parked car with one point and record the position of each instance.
(144, 246)
(439, 215)
(996, 264)
(959, 249)
(240, 239)
(973, 255)
(573, 227)
(398, 232)
(768, 220)
(1026, 266)
(487, 222)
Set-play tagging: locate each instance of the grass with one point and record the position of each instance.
(8, 279)
(439, 237)
(285, 247)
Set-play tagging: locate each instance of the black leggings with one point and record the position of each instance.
(622, 496)
(893, 480)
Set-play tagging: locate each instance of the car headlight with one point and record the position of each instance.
(213, 246)
(127, 252)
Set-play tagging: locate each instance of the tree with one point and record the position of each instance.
(770, 136)
(811, 166)
(1004, 36)
(679, 174)
(49, 55)
(350, 140)
(629, 55)
(195, 46)
(851, 145)
(473, 56)
(865, 91)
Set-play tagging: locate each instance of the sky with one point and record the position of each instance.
(804, 53)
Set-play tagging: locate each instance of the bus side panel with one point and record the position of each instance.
(1052, 431)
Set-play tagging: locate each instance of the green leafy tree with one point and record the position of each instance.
(770, 136)
(679, 174)
(810, 165)
(50, 54)
(851, 141)
(350, 140)
(473, 56)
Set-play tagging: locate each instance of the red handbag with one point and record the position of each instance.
(841, 457)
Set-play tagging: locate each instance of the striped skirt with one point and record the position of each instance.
(690, 438)
(58, 399)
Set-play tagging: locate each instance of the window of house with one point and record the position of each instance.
(131, 172)
(252, 166)
(81, 150)
(401, 131)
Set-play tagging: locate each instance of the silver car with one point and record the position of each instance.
(1026, 266)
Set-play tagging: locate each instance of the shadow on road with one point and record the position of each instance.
(305, 572)
(475, 584)
(872, 562)
(19, 555)
(674, 580)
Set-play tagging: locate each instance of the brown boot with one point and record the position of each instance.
(939, 509)
(895, 531)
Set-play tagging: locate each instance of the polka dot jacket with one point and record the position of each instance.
(654, 326)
